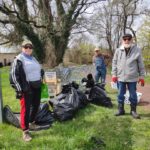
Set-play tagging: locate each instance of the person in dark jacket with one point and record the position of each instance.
(100, 66)
(25, 78)
(128, 70)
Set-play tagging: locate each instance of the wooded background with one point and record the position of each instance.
(52, 25)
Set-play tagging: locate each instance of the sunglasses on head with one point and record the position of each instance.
(127, 39)
(28, 46)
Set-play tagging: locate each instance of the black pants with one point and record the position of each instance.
(29, 107)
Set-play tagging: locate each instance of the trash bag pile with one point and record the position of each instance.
(65, 105)
(96, 92)
(44, 117)
(71, 99)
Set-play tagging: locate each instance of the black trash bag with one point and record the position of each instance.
(75, 85)
(61, 97)
(101, 90)
(11, 117)
(65, 108)
(73, 98)
(69, 95)
(99, 97)
(66, 88)
(101, 85)
(63, 111)
(44, 115)
(82, 99)
(89, 80)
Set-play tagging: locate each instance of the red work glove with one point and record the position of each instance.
(141, 81)
(114, 79)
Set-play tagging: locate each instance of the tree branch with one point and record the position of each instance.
(5, 42)
(7, 11)
(5, 22)
(60, 8)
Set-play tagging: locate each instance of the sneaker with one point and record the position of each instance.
(33, 127)
(26, 136)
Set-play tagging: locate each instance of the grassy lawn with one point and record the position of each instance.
(93, 128)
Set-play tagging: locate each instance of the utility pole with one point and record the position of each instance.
(1, 101)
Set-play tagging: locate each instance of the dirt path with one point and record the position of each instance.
(145, 100)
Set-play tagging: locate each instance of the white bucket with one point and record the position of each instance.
(114, 85)
(139, 95)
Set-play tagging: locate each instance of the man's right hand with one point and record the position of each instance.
(142, 82)
(19, 95)
(114, 79)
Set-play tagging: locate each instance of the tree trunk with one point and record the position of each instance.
(60, 50)
(50, 57)
(55, 51)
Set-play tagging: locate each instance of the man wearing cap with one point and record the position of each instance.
(25, 78)
(100, 66)
(127, 70)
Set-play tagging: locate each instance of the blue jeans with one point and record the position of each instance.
(132, 92)
(100, 74)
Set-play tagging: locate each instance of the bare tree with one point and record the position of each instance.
(114, 19)
(47, 23)
(129, 15)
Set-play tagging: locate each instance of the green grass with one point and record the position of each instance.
(147, 79)
(93, 128)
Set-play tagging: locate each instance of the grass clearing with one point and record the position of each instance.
(93, 128)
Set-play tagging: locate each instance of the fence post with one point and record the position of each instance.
(1, 101)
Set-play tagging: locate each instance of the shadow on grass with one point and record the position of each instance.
(143, 103)
(145, 115)
(112, 134)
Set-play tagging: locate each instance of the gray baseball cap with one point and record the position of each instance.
(26, 42)
(127, 35)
